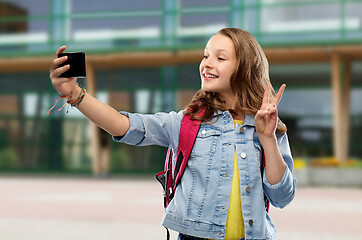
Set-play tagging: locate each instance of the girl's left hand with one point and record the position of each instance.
(267, 117)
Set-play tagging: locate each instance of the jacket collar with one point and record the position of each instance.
(249, 119)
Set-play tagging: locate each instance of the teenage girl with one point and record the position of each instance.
(221, 194)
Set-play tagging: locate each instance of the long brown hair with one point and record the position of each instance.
(248, 82)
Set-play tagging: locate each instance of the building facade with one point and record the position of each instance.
(143, 56)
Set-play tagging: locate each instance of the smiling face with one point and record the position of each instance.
(218, 65)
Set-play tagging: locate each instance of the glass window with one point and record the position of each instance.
(111, 5)
(192, 3)
(18, 31)
(289, 1)
(353, 15)
(17, 16)
(301, 18)
(308, 116)
(301, 75)
(94, 29)
(196, 29)
(131, 79)
(303, 102)
(188, 20)
(10, 8)
(24, 82)
(189, 76)
(23, 22)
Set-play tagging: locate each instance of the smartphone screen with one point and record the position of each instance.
(76, 60)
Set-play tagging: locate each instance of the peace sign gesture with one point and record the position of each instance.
(267, 116)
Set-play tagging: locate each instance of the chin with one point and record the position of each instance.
(207, 88)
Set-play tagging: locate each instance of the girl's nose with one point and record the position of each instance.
(208, 62)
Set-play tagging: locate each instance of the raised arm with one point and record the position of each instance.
(266, 122)
(96, 111)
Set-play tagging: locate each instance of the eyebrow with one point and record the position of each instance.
(219, 50)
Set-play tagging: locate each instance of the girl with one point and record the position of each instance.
(221, 194)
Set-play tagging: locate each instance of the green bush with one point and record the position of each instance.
(8, 159)
(120, 160)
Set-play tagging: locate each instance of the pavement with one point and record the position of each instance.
(62, 208)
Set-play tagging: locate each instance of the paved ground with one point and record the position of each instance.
(122, 209)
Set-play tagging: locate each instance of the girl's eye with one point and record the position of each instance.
(221, 59)
(205, 57)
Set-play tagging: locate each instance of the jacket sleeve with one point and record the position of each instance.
(161, 129)
(282, 193)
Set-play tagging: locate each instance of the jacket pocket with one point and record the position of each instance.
(206, 141)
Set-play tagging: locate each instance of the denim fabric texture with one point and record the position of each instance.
(200, 205)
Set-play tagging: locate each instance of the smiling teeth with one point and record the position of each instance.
(210, 76)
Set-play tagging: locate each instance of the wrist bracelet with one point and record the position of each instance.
(77, 101)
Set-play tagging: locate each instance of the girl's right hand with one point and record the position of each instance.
(64, 86)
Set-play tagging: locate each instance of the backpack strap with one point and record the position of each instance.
(188, 134)
(170, 177)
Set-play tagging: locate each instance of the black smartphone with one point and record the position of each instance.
(76, 60)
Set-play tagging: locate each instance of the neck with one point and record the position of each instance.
(231, 103)
(239, 116)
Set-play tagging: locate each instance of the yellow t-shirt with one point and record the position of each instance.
(235, 222)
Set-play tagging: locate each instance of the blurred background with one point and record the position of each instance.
(143, 56)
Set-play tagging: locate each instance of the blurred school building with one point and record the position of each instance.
(143, 56)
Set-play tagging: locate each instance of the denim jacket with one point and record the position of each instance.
(200, 205)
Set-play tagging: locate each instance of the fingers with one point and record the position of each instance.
(261, 114)
(60, 50)
(279, 95)
(55, 73)
(58, 61)
(270, 110)
(55, 70)
(273, 110)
